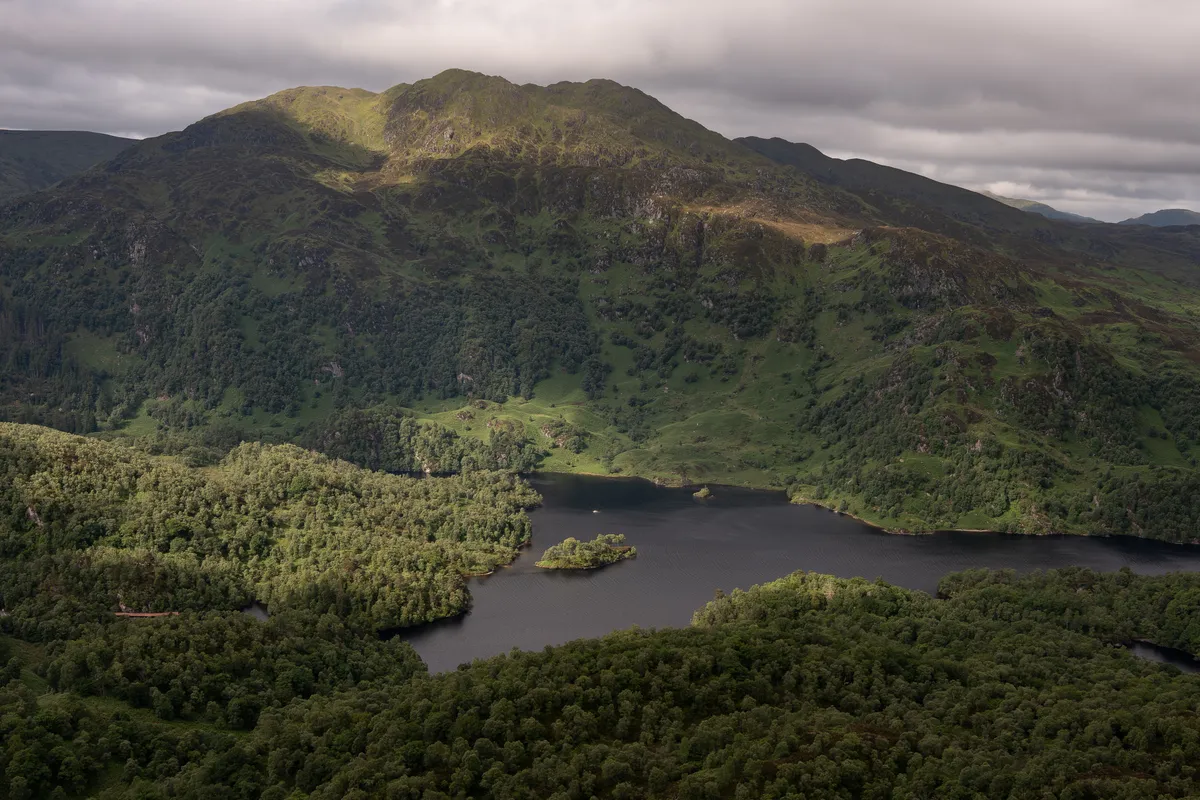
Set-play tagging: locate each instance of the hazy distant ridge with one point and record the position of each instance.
(34, 160)
(1034, 207)
(1165, 218)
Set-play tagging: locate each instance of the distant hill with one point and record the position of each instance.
(1034, 207)
(1166, 218)
(33, 160)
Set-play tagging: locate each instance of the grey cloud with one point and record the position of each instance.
(1091, 105)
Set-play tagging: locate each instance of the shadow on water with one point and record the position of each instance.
(688, 548)
(1148, 651)
(257, 610)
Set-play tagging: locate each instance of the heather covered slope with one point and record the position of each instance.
(903, 198)
(33, 160)
(579, 266)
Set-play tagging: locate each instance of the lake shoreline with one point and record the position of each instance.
(808, 501)
(740, 538)
(798, 501)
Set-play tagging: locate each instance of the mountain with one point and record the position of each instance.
(1034, 207)
(580, 268)
(33, 160)
(1166, 217)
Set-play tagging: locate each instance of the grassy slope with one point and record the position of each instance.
(739, 428)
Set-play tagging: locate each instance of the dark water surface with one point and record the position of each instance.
(689, 548)
(1165, 655)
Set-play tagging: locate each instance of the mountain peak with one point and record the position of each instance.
(456, 113)
(595, 123)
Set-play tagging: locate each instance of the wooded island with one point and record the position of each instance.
(605, 549)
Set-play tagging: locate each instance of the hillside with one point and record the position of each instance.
(1165, 218)
(578, 269)
(1034, 207)
(33, 160)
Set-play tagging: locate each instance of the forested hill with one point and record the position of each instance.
(584, 271)
(810, 686)
(33, 160)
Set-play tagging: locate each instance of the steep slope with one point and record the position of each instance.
(33, 160)
(1165, 218)
(1034, 207)
(579, 265)
(415, 247)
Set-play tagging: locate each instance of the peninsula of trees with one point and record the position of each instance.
(89, 528)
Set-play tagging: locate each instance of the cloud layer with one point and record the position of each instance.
(1090, 105)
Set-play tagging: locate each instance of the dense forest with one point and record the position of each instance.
(382, 439)
(92, 527)
(810, 686)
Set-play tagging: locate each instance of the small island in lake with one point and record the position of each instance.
(605, 549)
(703, 494)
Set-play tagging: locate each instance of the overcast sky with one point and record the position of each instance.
(1092, 106)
